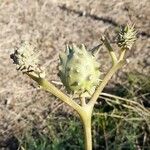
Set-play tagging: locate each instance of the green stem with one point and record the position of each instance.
(86, 119)
(55, 91)
(87, 134)
(122, 54)
(83, 103)
(108, 76)
(85, 112)
(110, 49)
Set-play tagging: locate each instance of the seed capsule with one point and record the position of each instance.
(79, 70)
(126, 37)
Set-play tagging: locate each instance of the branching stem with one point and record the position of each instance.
(83, 103)
(86, 116)
(108, 76)
(55, 91)
(122, 54)
(110, 49)
(85, 110)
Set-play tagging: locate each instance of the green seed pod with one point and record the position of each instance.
(126, 37)
(79, 70)
(26, 59)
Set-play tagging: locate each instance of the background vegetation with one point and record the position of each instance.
(116, 125)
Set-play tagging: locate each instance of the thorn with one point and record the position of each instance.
(77, 70)
(75, 84)
(80, 53)
(77, 61)
(97, 65)
(102, 38)
(56, 82)
(90, 77)
(82, 88)
(68, 69)
(69, 75)
(83, 47)
(42, 75)
(74, 47)
(96, 49)
(75, 55)
(67, 49)
(71, 68)
(62, 57)
(59, 68)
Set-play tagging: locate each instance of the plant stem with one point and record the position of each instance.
(110, 49)
(122, 54)
(83, 103)
(86, 119)
(87, 134)
(85, 112)
(55, 91)
(108, 76)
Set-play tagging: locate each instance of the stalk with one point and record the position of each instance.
(55, 91)
(86, 116)
(87, 134)
(108, 76)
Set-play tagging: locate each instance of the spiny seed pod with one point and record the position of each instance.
(26, 59)
(79, 70)
(126, 37)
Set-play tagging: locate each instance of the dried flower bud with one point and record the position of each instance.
(126, 37)
(26, 59)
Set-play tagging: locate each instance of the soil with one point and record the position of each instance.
(51, 24)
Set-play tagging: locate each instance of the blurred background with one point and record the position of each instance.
(31, 119)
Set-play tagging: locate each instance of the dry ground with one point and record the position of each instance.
(52, 24)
